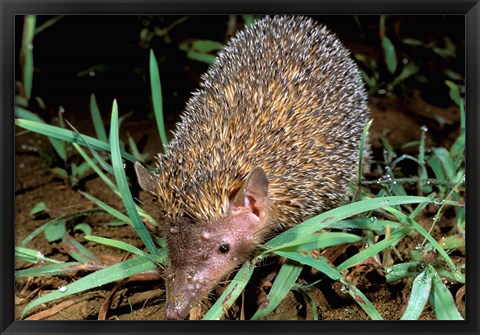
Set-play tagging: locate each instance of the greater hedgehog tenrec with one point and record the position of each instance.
(270, 138)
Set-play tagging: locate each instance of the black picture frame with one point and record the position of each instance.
(8, 9)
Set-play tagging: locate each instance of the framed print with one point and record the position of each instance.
(296, 167)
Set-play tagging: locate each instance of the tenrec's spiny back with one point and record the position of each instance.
(283, 95)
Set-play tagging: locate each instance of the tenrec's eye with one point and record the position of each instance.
(224, 248)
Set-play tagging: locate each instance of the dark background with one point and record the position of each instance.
(111, 46)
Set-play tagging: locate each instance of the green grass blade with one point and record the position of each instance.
(444, 157)
(157, 99)
(452, 276)
(58, 146)
(56, 232)
(396, 188)
(111, 274)
(97, 156)
(107, 208)
(286, 278)
(200, 56)
(21, 101)
(32, 256)
(26, 53)
(376, 225)
(38, 208)
(318, 241)
(453, 242)
(23, 113)
(422, 170)
(46, 225)
(442, 301)
(457, 151)
(363, 301)
(231, 293)
(81, 169)
(78, 251)
(407, 71)
(361, 152)
(109, 183)
(319, 262)
(403, 270)
(68, 136)
(123, 185)
(390, 54)
(206, 45)
(127, 247)
(437, 168)
(419, 296)
(389, 153)
(403, 218)
(462, 117)
(83, 227)
(97, 120)
(95, 168)
(313, 305)
(248, 19)
(374, 249)
(51, 270)
(333, 216)
(135, 151)
(48, 24)
(454, 92)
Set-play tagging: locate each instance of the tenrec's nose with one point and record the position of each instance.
(172, 313)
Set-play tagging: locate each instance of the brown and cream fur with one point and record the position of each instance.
(270, 138)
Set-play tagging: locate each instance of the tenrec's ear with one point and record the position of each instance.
(254, 193)
(147, 181)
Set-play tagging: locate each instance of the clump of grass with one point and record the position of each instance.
(60, 229)
(397, 72)
(390, 71)
(85, 259)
